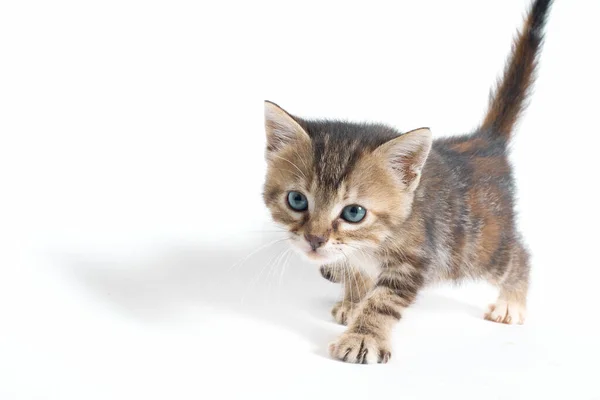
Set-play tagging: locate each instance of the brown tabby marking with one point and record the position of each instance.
(435, 210)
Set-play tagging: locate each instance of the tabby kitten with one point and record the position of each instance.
(387, 213)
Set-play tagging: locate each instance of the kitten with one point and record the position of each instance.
(387, 213)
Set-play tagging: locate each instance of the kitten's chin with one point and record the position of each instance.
(316, 257)
(319, 258)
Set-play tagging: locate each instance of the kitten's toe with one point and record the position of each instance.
(506, 312)
(331, 273)
(359, 349)
(343, 311)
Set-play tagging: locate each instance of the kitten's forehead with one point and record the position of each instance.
(328, 196)
(334, 159)
(338, 146)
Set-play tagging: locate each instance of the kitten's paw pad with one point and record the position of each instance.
(360, 349)
(506, 312)
(331, 273)
(343, 311)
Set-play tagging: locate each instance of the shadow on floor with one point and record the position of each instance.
(262, 280)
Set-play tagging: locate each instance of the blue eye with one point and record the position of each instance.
(354, 213)
(297, 201)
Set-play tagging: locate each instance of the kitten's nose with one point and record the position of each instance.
(314, 240)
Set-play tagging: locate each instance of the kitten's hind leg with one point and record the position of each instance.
(510, 308)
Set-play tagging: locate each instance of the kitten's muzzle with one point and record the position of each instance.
(315, 241)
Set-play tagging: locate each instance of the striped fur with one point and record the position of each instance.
(435, 211)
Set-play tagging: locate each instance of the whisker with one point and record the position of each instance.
(285, 264)
(295, 166)
(288, 170)
(240, 262)
(272, 270)
(301, 159)
(256, 278)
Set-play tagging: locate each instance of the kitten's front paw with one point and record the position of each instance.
(331, 272)
(360, 349)
(343, 311)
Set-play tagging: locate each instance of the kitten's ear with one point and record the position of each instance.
(406, 155)
(282, 130)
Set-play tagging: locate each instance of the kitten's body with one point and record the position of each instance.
(435, 211)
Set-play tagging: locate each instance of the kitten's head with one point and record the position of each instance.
(339, 187)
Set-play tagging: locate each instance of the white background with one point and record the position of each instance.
(131, 223)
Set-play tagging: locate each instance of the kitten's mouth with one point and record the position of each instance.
(315, 255)
(318, 256)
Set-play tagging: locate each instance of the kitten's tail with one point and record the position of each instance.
(508, 100)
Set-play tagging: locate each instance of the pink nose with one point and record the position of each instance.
(315, 241)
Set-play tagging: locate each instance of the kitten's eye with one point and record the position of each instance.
(354, 213)
(297, 201)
